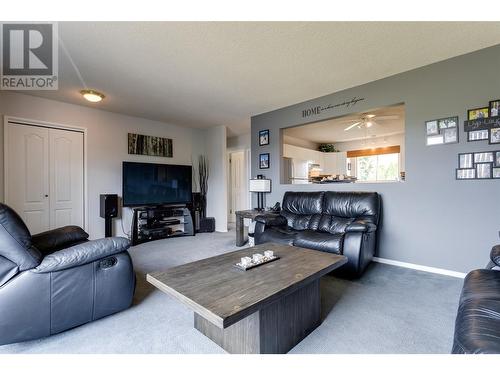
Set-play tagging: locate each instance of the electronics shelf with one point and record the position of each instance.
(154, 223)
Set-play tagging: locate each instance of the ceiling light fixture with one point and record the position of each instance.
(92, 95)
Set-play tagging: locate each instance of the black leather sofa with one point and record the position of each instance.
(336, 222)
(57, 280)
(477, 326)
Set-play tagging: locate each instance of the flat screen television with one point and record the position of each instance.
(156, 184)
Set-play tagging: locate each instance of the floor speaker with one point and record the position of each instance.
(109, 205)
(207, 225)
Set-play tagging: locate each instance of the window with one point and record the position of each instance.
(378, 167)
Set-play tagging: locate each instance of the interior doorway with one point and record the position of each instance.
(238, 196)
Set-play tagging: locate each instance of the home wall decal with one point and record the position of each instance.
(317, 110)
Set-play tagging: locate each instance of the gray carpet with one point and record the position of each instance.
(388, 310)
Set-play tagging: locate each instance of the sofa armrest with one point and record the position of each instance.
(271, 220)
(60, 238)
(81, 254)
(361, 226)
(495, 255)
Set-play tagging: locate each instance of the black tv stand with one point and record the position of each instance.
(154, 223)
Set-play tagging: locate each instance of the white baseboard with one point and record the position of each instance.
(419, 267)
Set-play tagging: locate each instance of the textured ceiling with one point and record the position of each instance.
(202, 74)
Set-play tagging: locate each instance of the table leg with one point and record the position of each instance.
(240, 231)
(275, 329)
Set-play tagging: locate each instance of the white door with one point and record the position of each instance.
(66, 178)
(44, 176)
(27, 174)
(238, 173)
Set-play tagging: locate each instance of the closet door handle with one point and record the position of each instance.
(46, 195)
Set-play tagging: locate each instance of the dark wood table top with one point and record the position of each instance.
(251, 214)
(224, 294)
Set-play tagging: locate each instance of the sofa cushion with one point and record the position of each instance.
(328, 242)
(345, 204)
(279, 235)
(477, 327)
(301, 222)
(303, 203)
(334, 224)
(481, 284)
(15, 240)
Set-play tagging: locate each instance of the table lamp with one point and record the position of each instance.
(260, 186)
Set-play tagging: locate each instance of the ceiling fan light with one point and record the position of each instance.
(369, 124)
(92, 95)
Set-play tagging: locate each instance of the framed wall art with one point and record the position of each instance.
(494, 136)
(484, 123)
(477, 135)
(264, 137)
(495, 108)
(264, 161)
(477, 113)
(442, 131)
(139, 144)
(482, 165)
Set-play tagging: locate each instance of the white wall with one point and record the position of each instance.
(106, 145)
(239, 142)
(300, 142)
(215, 146)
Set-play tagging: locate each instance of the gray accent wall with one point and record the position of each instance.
(430, 219)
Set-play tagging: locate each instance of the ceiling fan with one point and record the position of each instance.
(368, 120)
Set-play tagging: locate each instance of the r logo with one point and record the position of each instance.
(29, 56)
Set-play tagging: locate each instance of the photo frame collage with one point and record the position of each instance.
(264, 159)
(442, 131)
(478, 165)
(481, 124)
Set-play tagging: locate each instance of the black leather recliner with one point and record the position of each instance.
(336, 222)
(58, 280)
(477, 326)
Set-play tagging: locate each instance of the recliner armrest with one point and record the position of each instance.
(271, 220)
(82, 254)
(495, 255)
(361, 226)
(60, 238)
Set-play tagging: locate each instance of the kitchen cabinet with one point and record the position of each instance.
(301, 153)
(334, 163)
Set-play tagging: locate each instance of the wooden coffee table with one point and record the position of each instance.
(268, 309)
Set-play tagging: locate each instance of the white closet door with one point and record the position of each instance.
(27, 174)
(65, 178)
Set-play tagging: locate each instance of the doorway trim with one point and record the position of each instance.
(52, 125)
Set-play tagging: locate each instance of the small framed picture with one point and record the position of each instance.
(483, 157)
(449, 122)
(477, 135)
(432, 127)
(483, 170)
(264, 161)
(494, 136)
(264, 137)
(477, 113)
(465, 161)
(497, 158)
(435, 140)
(466, 174)
(495, 108)
(450, 135)
(496, 172)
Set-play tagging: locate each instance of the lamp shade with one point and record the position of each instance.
(259, 185)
